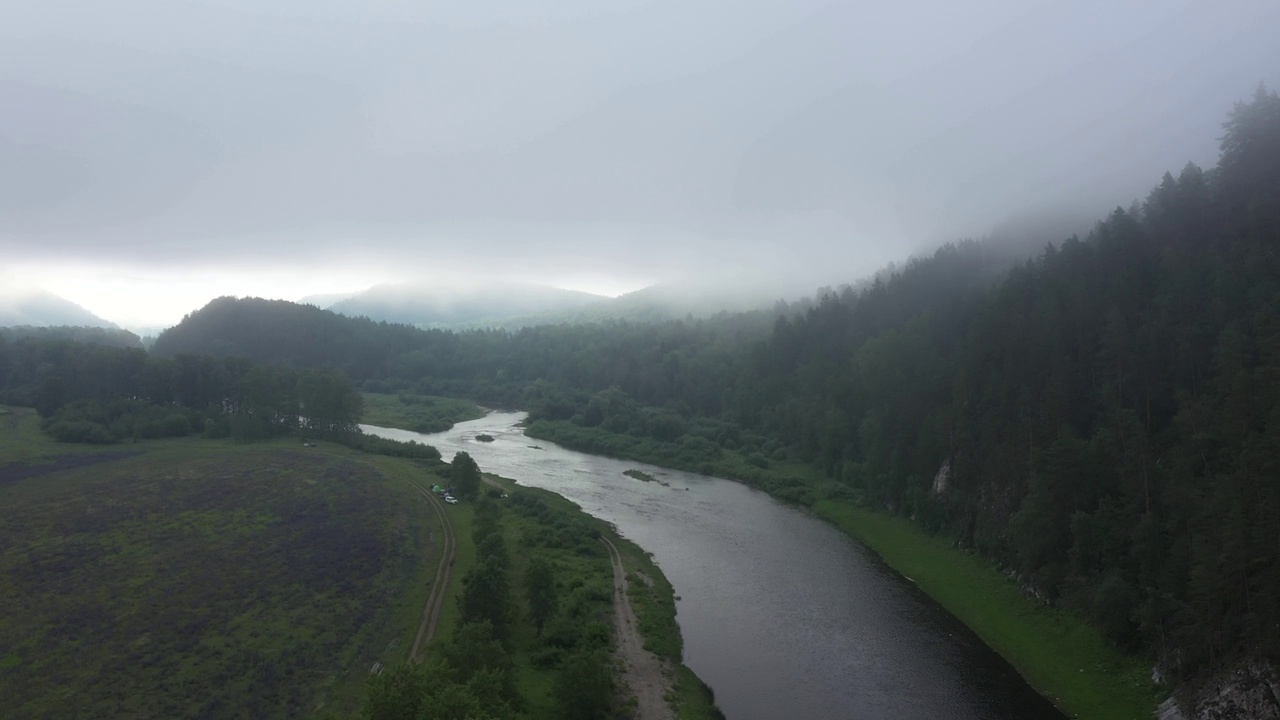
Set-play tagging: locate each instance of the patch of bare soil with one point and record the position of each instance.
(647, 677)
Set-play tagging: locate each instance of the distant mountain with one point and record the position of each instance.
(676, 300)
(667, 301)
(278, 331)
(41, 309)
(326, 300)
(437, 306)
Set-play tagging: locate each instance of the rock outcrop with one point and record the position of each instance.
(1250, 692)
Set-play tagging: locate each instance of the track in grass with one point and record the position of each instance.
(644, 673)
(435, 601)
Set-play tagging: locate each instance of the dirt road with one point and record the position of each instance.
(431, 611)
(646, 675)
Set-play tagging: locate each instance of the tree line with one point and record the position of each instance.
(104, 394)
(1100, 419)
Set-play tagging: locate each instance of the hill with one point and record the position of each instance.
(430, 306)
(1100, 421)
(41, 308)
(662, 303)
(278, 331)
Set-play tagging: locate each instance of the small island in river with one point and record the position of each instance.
(644, 476)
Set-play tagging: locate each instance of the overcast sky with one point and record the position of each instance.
(154, 151)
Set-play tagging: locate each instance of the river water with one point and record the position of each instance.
(782, 615)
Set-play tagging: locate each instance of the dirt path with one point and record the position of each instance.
(435, 601)
(646, 675)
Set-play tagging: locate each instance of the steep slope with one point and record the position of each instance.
(1101, 421)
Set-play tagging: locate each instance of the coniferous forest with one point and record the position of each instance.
(1102, 419)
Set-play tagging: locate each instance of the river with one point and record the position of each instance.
(782, 615)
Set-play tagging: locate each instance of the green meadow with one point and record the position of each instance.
(195, 578)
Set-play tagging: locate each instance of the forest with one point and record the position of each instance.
(1102, 419)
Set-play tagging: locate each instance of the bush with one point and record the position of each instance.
(375, 445)
(80, 431)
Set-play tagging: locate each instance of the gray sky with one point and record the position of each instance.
(305, 145)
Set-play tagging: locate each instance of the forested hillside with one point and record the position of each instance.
(1102, 419)
(115, 337)
(655, 363)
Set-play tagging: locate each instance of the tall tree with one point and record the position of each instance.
(540, 591)
(465, 474)
(329, 403)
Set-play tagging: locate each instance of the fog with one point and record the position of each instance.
(586, 144)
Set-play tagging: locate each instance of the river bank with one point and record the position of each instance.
(650, 597)
(781, 613)
(1059, 654)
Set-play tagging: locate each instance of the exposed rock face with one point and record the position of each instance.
(1251, 692)
(1169, 710)
(943, 479)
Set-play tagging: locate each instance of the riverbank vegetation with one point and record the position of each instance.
(419, 413)
(187, 577)
(529, 635)
(1061, 655)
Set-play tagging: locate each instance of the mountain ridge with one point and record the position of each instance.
(36, 307)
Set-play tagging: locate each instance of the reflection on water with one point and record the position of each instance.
(782, 615)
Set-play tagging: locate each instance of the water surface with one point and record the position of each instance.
(782, 615)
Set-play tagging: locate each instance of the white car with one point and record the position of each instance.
(451, 499)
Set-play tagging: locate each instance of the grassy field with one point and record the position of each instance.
(197, 578)
(194, 578)
(419, 413)
(1059, 654)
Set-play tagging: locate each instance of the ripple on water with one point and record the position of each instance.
(782, 615)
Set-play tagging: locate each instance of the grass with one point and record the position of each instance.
(404, 613)
(419, 413)
(653, 600)
(21, 440)
(1058, 653)
(538, 524)
(462, 517)
(187, 577)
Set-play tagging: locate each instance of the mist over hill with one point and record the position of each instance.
(1099, 419)
(40, 308)
(437, 305)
